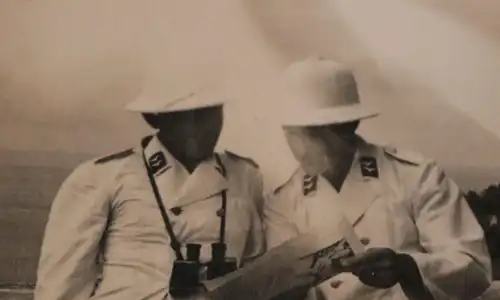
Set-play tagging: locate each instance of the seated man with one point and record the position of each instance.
(422, 238)
(154, 212)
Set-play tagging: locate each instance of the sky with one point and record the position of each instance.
(67, 68)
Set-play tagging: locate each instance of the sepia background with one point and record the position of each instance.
(67, 68)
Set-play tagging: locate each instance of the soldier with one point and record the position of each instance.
(422, 238)
(169, 203)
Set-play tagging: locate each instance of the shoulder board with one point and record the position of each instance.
(235, 156)
(409, 157)
(279, 188)
(115, 156)
(288, 181)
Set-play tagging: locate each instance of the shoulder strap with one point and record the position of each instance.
(174, 243)
(222, 228)
(405, 156)
(237, 157)
(114, 156)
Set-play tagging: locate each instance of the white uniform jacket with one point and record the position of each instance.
(394, 199)
(106, 208)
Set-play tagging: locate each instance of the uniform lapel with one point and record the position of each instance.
(323, 205)
(206, 181)
(169, 174)
(362, 186)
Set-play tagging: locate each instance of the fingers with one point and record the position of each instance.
(375, 268)
(371, 256)
(352, 263)
(380, 278)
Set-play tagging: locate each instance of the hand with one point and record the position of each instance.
(376, 267)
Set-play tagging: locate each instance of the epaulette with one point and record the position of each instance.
(405, 156)
(277, 188)
(115, 156)
(238, 157)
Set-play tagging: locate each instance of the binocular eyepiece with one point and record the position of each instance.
(187, 274)
(193, 252)
(220, 264)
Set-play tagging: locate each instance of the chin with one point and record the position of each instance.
(314, 167)
(313, 171)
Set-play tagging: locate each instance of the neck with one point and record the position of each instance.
(339, 169)
(190, 163)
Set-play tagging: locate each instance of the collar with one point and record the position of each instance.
(364, 152)
(158, 157)
(176, 183)
(161, 160)
(360, 188)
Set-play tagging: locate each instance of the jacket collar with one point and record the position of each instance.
(177, 187)
(360, 188)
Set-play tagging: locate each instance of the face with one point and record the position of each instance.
(189, 134)
(319, 149)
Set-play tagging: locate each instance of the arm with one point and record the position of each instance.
(410, 279)
(457, 262)
(256, 243)
(67, 267)
(278, 229)
(277, 223)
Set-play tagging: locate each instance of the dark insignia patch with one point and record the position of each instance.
(158, 163)
(238, 157)
(115, 156)
(369, 167)
(310, 184)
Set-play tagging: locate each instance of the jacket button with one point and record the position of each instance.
(365, 241)
(336, 283)
(176, 210)
(220, 213)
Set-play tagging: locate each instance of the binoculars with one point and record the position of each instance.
(187, 275)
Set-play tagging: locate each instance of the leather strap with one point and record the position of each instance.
(174, 243)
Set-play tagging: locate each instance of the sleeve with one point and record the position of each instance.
(67, 266)
(278, 226)
(456, 262)
(256, 244)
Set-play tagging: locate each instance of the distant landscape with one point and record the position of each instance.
(28, 183)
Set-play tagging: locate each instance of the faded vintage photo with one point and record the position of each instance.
(249, 149)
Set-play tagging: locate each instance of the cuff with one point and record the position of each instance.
(420, 261)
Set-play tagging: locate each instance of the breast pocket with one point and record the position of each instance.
(242, 218)
(374, 228)
(200, 221)
(386, 224)
(136, 210)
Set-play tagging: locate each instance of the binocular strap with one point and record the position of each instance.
(174, 243)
